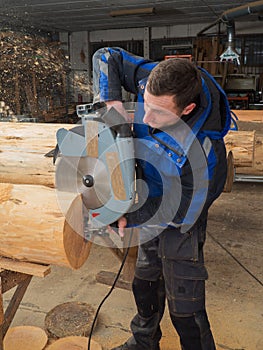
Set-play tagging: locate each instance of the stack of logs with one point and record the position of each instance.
(246, 144)
(33, 73)
(33, 226)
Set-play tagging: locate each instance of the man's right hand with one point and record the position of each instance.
(118, 105)
(122, 223)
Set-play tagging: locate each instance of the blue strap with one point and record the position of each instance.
(234, 118)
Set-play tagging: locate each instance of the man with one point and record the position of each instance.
(179, 125)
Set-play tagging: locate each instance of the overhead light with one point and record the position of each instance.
(132, 12)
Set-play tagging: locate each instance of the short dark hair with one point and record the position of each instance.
(178, 77)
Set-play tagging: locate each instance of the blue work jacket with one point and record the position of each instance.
(184, 166)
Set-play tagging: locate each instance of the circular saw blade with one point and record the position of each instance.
(86, 176)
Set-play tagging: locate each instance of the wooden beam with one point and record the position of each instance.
(25, 267)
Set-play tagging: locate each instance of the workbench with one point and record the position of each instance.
(17, 274)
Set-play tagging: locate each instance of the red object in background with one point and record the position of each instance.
(189, 57)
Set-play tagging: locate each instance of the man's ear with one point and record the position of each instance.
(188, 109)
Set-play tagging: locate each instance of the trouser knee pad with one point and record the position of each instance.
(149, 296)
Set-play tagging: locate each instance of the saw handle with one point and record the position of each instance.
(117, 123)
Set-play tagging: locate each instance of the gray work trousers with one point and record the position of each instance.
(171, 266)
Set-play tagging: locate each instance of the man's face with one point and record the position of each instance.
(160, 111)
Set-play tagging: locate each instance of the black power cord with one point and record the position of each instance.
(110, 291)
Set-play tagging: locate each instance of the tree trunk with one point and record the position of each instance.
(33, 227)
(22, 152)
(257, 168)
(242, 145)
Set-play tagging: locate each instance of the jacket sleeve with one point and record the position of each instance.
(114, 68)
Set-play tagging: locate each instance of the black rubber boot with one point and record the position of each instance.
(132, 345)
(194, 331)
(150, 300)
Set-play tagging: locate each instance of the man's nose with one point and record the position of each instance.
(147, 117)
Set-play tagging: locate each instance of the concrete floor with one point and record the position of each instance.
(234, 295)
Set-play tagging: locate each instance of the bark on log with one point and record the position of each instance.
(34, 229)
(242, 145)
(22, 152)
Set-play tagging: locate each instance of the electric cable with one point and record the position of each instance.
(110, 291)
(236, 260)
(210, 8)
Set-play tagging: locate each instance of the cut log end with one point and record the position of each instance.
(77, 248)
(69, 319)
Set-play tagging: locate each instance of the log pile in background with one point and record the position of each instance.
(33, 74)
(246, 144)
(33, 226)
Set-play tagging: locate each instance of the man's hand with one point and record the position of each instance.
(122, 223)
(118, 105)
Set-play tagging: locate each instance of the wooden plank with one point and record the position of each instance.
(107, 277)
(25, 267)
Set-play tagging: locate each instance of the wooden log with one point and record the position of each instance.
(70, 318)
(22, 152)
(34, 229)
(242, 145)
(74, 342)
(21, 336)
(257, 168)
(249, 115)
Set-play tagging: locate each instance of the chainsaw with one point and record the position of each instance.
(96, 162)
